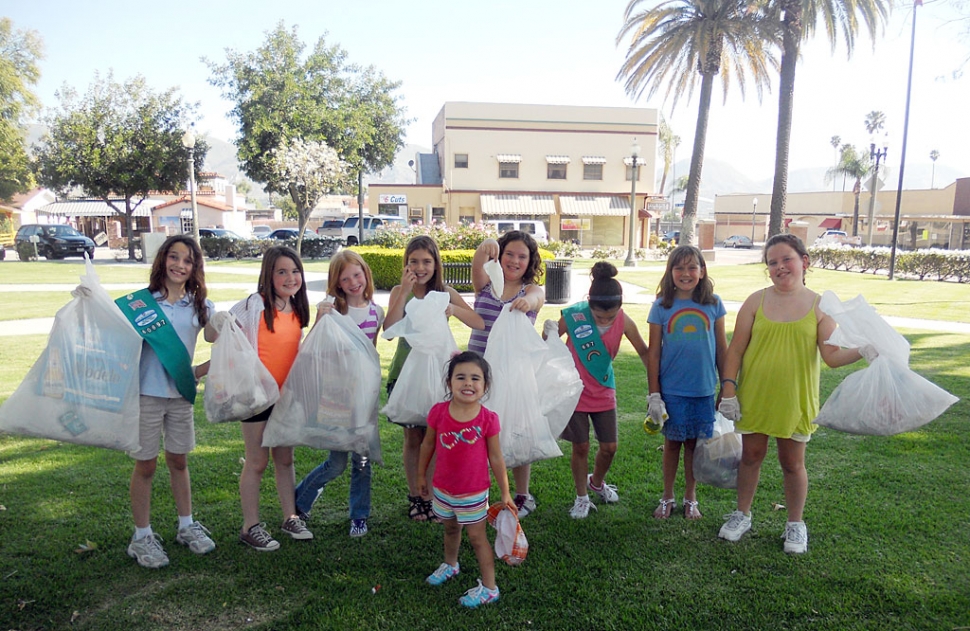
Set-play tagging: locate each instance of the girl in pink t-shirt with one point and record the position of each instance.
(464, 435)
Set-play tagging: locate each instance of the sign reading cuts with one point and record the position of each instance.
(392, 199)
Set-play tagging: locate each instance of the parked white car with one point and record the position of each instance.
(837, 237)
(372, 223)
(536, 228)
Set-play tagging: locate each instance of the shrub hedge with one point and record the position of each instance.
(932, 263)
(223, 247)
(387, 264)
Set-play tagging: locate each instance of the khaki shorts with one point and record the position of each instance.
(172, 418)
(604, 426)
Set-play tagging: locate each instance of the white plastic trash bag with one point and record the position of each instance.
(887, 397)
(716, 459)
(531, 416)
(496, 277)
(421, 384)
(84, 387)
(329, 400)
(238, 385)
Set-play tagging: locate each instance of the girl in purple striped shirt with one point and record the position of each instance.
(518, 255)
(352, 286)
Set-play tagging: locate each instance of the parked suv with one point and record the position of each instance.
(331, 228)
(536, 228)
(372, 223)
(56, 241)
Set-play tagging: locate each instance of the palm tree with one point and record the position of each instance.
(798, 20)
(668, 147)
(875, 122)
(855, 164)
(674, 41)
(934, 156)
(835, 141)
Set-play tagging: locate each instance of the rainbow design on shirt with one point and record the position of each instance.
(689, 321)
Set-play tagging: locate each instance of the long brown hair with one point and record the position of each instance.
(195, 284)
(299, 301)
(426, 243)
(338, 264)
(533, 272)
(703, 293)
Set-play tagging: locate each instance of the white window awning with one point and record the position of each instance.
(96, 208)
(518, 205)
(186, 213)
(509, 158)
(629, 161)
(594, 159)
(599, 205)
(557, 160)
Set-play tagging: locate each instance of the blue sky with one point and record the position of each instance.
(526, 51)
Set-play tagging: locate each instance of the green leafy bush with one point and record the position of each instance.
(462, 237)
(387, 264)
(564, 249)
(933, 263)
(26, 251)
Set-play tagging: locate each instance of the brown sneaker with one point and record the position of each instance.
(296, 528)
(258, 539)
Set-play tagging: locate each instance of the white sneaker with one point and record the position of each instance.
(581, 508)
(736, 525)
(196, 537)
(796, 537)
(607, 492)
(526, 504)
(148, 551)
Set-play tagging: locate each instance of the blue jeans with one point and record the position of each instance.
(311, 487)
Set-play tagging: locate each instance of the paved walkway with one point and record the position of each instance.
(317, 284)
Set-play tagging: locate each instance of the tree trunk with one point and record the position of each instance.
(855, 210)
(130, 230)
(303, 217)
(792, 27)
(697, 160)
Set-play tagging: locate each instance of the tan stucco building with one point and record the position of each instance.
(927, 217)
(570, 167)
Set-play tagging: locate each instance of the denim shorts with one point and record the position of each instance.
(689, 417)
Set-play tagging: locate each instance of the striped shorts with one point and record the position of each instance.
(467, 509)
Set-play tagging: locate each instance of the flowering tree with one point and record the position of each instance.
(306, 170)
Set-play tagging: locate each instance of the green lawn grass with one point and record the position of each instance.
(68, 272)
(887, 516)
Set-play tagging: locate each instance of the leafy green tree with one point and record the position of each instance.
(675, 42)
(19, 53)
(857, 165)
(798, 20)
(118, 140)
(282, 93)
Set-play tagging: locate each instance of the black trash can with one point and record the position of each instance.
(558, 280)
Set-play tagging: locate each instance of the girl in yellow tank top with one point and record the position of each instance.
(770, 383)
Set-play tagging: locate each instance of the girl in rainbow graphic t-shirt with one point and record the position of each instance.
(687, 346)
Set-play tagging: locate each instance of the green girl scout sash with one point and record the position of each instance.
(589, 346)
(149, 320)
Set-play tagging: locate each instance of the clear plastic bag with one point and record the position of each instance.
(84, 387)
(716, 459)
(534, 388)
(510, 543)
(886, 398)
(421, 384)
(330, 398)
(238, 385)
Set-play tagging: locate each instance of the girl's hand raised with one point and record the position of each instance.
(490, 249)
(407, 280)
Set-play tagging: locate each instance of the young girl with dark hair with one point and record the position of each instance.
(422, 273)
(595, 328)
(518, 255)
(273, 320)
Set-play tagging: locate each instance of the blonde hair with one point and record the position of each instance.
(340, 261)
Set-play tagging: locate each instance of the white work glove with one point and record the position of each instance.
(730, 408)
(656, 409)
(81, 292)
(220, 318)
(550, 329)
(868, 352)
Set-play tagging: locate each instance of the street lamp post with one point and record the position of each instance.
(188, 141)
(877, 155)
(754, 210)
(635, 154)
(902, 153)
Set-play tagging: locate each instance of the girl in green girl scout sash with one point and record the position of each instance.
(595, 328)
(169, 315)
